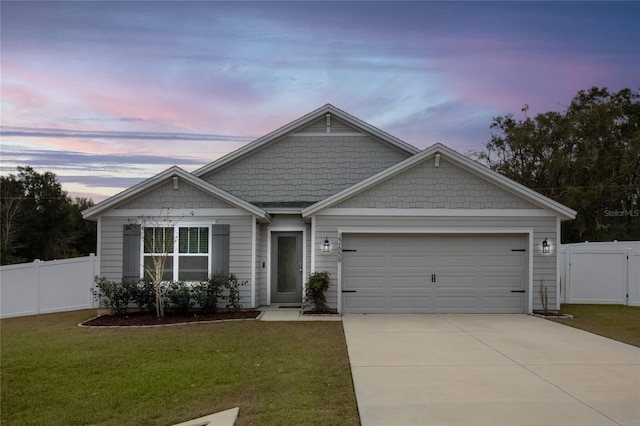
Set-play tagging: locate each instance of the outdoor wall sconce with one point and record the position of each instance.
(545, 246)
(326, 246)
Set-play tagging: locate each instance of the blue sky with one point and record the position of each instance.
(106, 94)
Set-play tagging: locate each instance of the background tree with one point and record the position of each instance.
(587, 157)
(39, 220)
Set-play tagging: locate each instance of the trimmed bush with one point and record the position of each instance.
(315, 290)
(144, 295)
(180, 293)
(114, 295)
(207, 293)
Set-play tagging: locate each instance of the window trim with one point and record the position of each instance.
(175, 255)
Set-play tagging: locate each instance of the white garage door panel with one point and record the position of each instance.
(473, 273)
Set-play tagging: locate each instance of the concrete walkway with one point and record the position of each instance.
(489, 370)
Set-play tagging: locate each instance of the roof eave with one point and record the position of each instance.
(95, 211)
(564, 212)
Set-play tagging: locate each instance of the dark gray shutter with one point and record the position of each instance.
(220, 249)
(131, 253)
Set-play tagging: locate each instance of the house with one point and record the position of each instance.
(399, 229)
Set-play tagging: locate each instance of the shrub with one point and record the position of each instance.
(233, 297)
(144, 295)
(114, 295)
(317, 285)
(208, 292)
(180, 295)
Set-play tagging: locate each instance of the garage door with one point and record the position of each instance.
(434, 274)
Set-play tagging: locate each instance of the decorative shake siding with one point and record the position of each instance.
(185, 197)
(544, 266)
(428, 187)
(335, 126)
(305, 168)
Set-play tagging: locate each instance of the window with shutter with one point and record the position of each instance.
(191, 250)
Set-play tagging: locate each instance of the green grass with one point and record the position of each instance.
(616, 322)
(278, 373)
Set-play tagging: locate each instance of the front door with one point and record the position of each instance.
(286, 267)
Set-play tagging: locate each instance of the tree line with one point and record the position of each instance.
(40, 221)
(586, 157)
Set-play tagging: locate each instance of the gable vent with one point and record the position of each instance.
(328, 123)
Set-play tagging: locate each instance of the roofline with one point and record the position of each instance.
(113, 201)
(305, 119)
(467, 163)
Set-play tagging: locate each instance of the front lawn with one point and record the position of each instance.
(278, 373)
(616, 322)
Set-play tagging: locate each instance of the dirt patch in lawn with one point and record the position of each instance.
(138, 319)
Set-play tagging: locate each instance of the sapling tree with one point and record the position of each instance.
(159, 240)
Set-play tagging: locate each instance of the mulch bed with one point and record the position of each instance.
(142, 319)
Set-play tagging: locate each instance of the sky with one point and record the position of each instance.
(107, 94)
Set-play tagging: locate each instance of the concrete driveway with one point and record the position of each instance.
(489, 370)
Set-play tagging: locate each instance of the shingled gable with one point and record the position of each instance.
(457, 159)
(175, 171)
(300, 124)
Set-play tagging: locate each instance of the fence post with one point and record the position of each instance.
(36, 264)
(94, 271)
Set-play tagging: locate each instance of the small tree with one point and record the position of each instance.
(159, 241)
(544, 297)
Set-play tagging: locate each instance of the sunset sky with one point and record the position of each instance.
(105, 94)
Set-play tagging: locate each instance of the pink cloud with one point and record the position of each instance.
(507, 82)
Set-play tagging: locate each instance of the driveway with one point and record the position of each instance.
(489, 370)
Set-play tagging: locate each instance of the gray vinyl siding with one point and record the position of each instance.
(305, 168)
(111, 247)
(544, 266)
(240, 252)
(165, 196)
(428, 187)
(261, 265)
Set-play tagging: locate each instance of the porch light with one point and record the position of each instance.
(545, 246)
(326, 246)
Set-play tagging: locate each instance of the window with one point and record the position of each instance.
(186, 249)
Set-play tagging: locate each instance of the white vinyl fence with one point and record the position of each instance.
(600, 273)
(45, 287)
